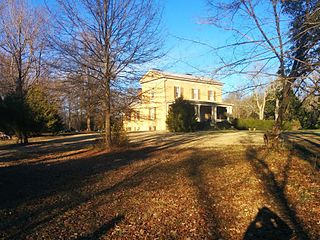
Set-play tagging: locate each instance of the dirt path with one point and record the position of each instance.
(167, 186)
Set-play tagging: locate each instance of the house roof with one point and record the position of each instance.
(177, 76)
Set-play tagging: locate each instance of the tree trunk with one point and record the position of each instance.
(88, 122)
(19, 139)
(22, 138)
(25, 138)
(107, 116)
(282, 108)
(263, 105)
(276, 111)
(69, 114)
(261, 114)
(261, 109)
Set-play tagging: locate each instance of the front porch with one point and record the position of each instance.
(213, 112)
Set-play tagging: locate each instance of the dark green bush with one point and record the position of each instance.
(245, 124)
(293, 125)
(202, 126)
(223, 125)
(181, 116)
(264, 125)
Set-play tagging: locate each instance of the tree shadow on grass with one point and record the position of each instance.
(275, 189)
(305, 148)
(24, 181)
(27, 184)
(40, 181)
(168, 140)
(48, 146)
(102, 230)
(57, 140)
(203, 194)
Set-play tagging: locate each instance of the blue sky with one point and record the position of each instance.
(183, 19)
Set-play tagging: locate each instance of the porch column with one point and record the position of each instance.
(214, 113)
(196, 111)
(229, 112)
(199, 112)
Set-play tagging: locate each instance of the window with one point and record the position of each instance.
(195, 93)
(214, 96)
(152, 95)
(177, 92)
(210, 95)
(152, 113)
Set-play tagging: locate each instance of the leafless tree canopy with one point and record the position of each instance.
(23, 50)
(283, 36)
(108, 41)
(23, 44)
(112, 36)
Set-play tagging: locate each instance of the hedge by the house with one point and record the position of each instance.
(264, 125)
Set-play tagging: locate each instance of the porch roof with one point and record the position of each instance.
(207, 103)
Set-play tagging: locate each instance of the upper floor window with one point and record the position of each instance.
(214, 96)
(195, 94)
(210, 95)
(152, 113)
(178, 92)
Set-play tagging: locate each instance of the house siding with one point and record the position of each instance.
(158, 92)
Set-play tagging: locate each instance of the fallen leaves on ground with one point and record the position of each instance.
(165, 193)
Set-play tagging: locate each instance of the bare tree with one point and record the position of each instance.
(244, 106)
(262, 35)
(260, 99)
(110, 39)
(260, 91)
(23, 33)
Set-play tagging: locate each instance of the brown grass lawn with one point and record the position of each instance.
(185, 186)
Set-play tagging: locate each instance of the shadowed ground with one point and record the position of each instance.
(208, 185)
(308, 143)
(310, 140)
